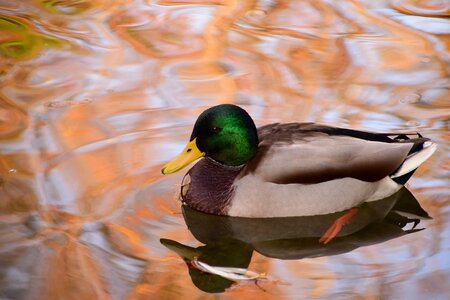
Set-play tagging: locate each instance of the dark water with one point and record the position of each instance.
(96, 95)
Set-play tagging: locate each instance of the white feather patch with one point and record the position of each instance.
(416, 159)
(228, 272)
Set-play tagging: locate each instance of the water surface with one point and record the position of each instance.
(96, 95)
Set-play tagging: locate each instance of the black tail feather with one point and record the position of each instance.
(404, 178)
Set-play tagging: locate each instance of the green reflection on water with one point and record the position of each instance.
(66, 7)
(19, 40)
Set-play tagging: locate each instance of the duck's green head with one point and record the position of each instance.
(225, 133)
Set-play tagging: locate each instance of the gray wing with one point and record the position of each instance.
(311, 153)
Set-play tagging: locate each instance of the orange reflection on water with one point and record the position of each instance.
(96, 95)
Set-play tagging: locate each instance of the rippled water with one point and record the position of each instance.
(96, 95)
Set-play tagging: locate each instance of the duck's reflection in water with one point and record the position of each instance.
(230, 241)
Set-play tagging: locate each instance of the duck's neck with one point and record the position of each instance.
(208, 186)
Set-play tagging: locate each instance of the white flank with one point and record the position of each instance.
(256, 198)
(416, 159)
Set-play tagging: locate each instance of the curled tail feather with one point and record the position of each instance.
(417, 156)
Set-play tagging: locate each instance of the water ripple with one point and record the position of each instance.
(96, 95)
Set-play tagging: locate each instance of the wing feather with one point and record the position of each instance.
(310, 153)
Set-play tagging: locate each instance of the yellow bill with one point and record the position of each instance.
(188, 155)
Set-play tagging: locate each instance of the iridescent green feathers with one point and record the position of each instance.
(227, 134)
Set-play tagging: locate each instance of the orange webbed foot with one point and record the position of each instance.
(337, 226)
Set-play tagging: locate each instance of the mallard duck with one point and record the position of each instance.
(293, 169)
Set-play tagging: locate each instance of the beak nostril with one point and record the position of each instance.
(188, 150)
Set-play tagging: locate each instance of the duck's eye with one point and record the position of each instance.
(215, 129)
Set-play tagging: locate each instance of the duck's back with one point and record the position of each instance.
(307, 169)
(308, 153)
